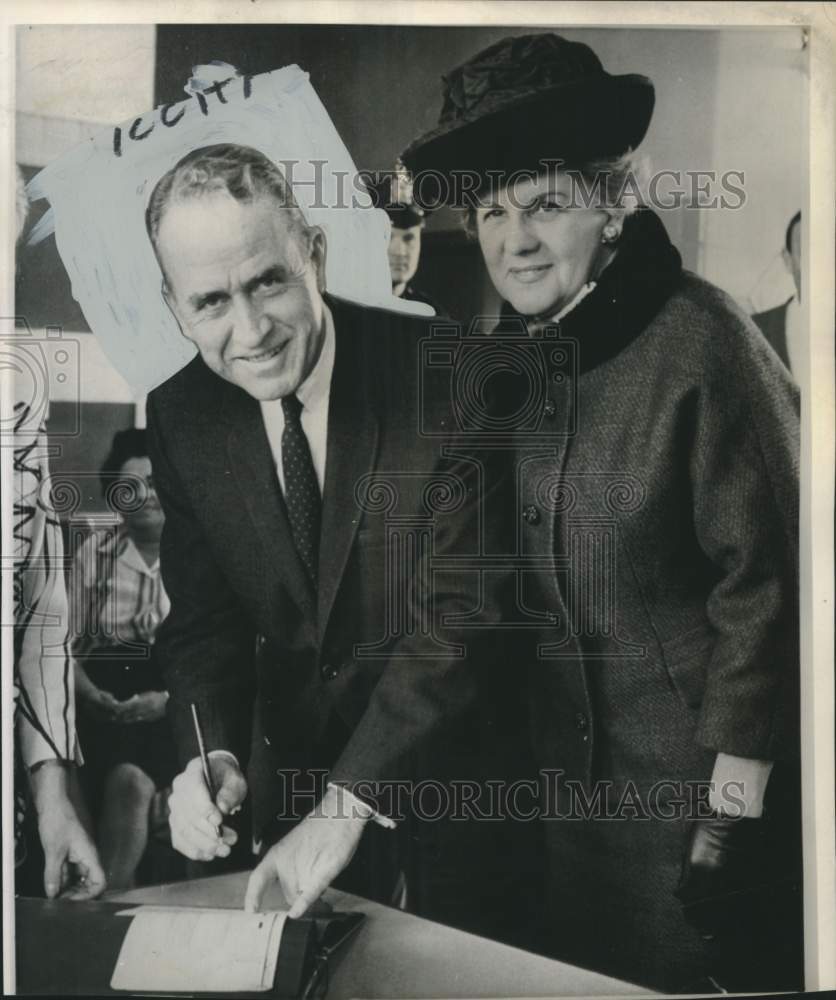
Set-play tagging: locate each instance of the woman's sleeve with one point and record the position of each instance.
(744, 469)
(44, 689)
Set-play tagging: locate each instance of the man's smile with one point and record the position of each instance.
(261, 357)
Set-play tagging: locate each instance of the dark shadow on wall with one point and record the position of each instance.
(77, 457)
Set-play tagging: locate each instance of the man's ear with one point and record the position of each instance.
(168, 298)
(319, 253)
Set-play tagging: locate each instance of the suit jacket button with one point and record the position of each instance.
(581, 721)
(531, 515)
(329, 672)
(549, 408)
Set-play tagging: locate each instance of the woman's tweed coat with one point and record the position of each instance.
(667, 500)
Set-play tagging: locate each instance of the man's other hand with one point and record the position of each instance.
(71, 862)
(196, 821)
(310, 857)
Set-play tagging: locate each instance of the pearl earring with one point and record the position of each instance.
(610, 234)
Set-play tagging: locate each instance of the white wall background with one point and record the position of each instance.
(760, 127)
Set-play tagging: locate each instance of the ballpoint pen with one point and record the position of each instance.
(204, 757)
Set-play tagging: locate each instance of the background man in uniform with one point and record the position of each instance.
(394, 195)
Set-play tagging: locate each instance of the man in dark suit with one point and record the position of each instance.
(782, 325)
(302, 475)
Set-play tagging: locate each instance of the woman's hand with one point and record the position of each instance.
(71, 863)
(100, 704)
(95, 701)
(149, 706)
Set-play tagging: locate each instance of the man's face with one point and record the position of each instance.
(404, 251)
(245, 289)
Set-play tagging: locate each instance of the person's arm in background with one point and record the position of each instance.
(45, 709)
(205, 646)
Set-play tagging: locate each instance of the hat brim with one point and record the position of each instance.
(590, 118)
(406, 216)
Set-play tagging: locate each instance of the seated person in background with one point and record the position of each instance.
(782, 325)
(118, 603)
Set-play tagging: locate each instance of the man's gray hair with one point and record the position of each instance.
(242, 172)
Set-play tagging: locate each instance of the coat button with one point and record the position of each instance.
(549, 408)
(329, 672)
(531, 515)
(581, 721)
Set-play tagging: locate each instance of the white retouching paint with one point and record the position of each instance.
(98, 193)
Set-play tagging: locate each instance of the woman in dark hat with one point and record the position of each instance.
(656, 479)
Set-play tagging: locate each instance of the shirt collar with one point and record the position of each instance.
(578, 298)
(130, 556)
(316, 387)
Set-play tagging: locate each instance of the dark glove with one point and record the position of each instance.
(725, 864)
(739, 890)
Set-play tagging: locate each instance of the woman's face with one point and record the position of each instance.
(539, 251)
(149, 518)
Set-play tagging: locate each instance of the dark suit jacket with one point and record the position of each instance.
(285, 677)
(773, 325)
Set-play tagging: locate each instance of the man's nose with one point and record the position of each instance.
(519, 234)
(252, 324)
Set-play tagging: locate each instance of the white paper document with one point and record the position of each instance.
(199, 950)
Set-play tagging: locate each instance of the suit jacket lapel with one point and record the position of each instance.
(352, 449)
(252, 465)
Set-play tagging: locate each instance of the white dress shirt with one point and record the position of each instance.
(796, 338)
(314, 394)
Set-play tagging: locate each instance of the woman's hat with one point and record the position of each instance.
(532, 98)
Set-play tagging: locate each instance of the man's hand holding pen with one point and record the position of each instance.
(196, 820)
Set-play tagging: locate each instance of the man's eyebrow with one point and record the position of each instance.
(273, 273)
(199, 299)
